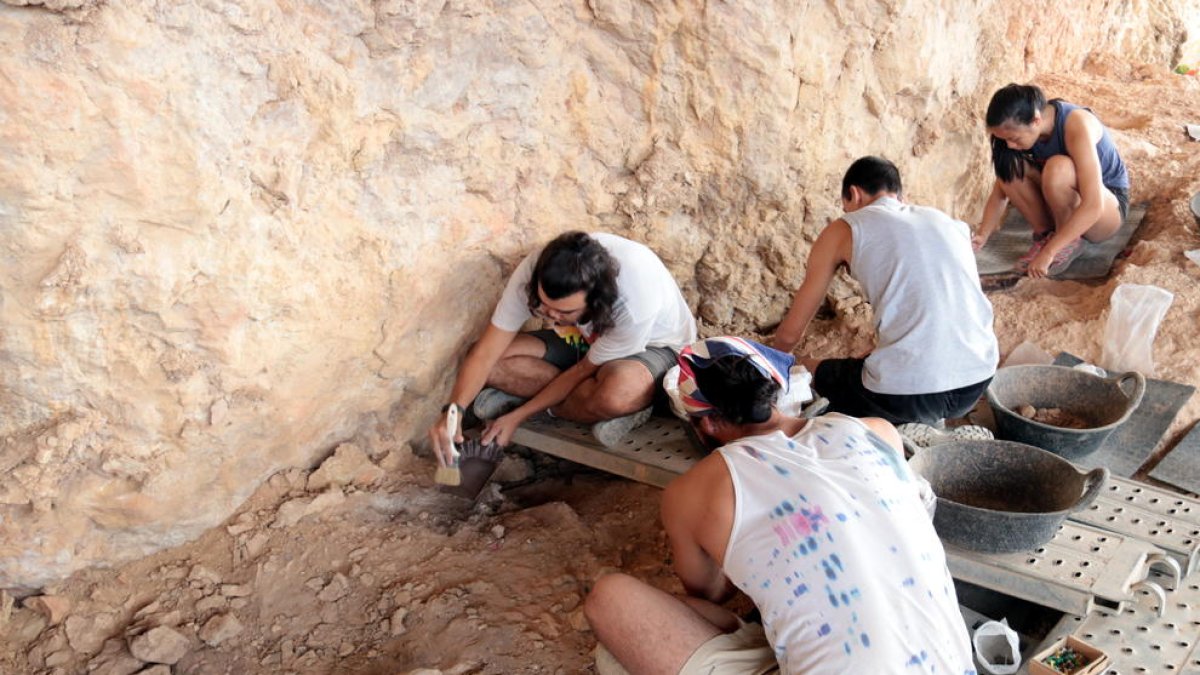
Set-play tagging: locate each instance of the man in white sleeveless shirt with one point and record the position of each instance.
(935, 348)
(820, 522)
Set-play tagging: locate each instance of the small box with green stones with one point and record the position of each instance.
(1069, 656)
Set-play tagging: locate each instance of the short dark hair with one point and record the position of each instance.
(739, 391)
(872, 175)
(574, 262)
(1012, 104)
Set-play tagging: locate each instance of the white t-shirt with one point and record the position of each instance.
(833, 543)
(650, 311)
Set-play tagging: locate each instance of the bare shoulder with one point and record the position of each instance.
(699, 506)
(884, 430)
(697, 485)
(1083, 122)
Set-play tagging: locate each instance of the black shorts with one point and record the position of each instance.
(563, 354)
(840, 381)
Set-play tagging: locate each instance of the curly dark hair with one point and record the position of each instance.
(575, 262)
(739, 391)
(1012, 104)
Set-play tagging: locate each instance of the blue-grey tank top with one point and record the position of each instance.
(1112, 170)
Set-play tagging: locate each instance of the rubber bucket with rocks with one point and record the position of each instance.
(1001, 496)
(1067, 411)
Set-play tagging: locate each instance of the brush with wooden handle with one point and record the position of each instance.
(450, 473)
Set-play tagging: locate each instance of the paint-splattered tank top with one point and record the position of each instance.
(834, 545)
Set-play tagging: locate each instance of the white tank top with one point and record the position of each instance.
(832, 542)
(933, 322)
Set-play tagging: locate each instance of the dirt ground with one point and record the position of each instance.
(369, 571)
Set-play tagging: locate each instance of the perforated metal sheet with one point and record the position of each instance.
(1137, 640)
(1080, 568)
(1166, 519)
(653, 453)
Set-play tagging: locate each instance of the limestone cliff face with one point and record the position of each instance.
(231, 234)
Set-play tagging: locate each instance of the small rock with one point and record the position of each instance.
(578, 621)
(156, 670)
(512, 469)
(238, 603)
(397, 621)
(159, 645)
(1027, 411)
(349, 465)
(54, 607)
(346, 649)
(114, 659)
(6, 606)
(210, 603)
(203, 575)
(317, 584)
(238, 528)
(220, 628)
(236, 590)
(59, 658)
(256, 545)
(498, 531)
(337, 588)
(86, 634)
(293, 511)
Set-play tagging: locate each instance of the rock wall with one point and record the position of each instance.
(232, 234)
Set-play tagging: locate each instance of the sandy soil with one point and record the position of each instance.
(393, 576)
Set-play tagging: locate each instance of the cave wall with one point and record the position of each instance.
(234, 234)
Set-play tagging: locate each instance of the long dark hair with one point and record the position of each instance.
(1012, 104)
(575, 262)
(738, 390)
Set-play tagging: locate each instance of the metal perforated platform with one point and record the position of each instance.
(1081, 568)
(654, 453)
(1136, 638)
(1166, 519)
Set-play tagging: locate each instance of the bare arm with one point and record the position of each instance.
(697, 534)
(470, 380)
(1083, 131)
(832, 248)
(501, 429)
(993, 214)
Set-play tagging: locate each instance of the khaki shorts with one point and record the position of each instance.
(742, 652)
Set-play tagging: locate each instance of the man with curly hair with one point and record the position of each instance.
(615, 320)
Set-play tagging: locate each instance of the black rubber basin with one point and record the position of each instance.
(1001, 496)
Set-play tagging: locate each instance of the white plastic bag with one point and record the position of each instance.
(997, 647)
(1133, 319)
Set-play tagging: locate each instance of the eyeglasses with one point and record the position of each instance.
(558, 314)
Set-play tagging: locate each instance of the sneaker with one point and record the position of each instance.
(1066, 256)
(610, 432)
(815, 407)
(492, 403)
(924, 435)
(1039, 242)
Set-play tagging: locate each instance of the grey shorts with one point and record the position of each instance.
(562, 354)
(1122, 195)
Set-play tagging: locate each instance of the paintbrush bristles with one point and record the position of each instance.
(448, 475)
